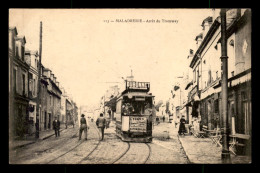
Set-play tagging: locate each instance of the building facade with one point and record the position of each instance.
(69, 110)
(206, 66)
(53, 98)
(18, 89)
(23, 91)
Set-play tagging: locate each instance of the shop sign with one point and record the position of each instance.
(138, 124)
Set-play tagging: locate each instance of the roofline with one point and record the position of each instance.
(238, 23)
(22, 37)
(205, 41)
(14, 28)
(209, 19)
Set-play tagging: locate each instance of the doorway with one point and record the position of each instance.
(45, 120)
(49, 123)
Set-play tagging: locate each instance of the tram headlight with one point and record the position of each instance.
(130, 96)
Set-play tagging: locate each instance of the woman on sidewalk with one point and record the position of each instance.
(182, 125)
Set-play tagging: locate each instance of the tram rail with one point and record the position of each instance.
(124, 153)
(85, 158)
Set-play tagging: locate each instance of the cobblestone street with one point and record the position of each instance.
(67, 149)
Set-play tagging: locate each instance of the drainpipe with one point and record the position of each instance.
(225, 156)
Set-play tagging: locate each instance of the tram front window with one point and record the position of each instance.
(132, 107)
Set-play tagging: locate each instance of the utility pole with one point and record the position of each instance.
(39, 85)
(225, 156)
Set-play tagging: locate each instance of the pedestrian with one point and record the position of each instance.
(182, 126)
(157, 120)
(107, 122)
(163, 118)
(56, 126)
(83, 127)
(101, 123)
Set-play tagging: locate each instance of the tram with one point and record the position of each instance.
(134, 112)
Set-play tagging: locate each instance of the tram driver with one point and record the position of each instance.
(148, 109)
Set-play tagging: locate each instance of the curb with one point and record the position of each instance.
(23, 145)
(189, 162)
(29, 143)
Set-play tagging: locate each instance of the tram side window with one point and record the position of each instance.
(118, 107)
(139, 107)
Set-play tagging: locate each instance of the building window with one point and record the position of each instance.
(16, 52)
(14, 76)
(22, 52)
(198, 75)
(194, 75)
(216, 108)
(231, 43)
(23, 78)
(34, 87)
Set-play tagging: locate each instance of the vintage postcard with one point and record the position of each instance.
(130, 86)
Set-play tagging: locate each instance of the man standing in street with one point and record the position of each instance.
(56, 126)
(83, 127)
(101, 123)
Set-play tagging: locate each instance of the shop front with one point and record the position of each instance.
(21, 116)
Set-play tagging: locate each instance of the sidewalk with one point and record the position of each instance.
(18, 143)
(201, 150)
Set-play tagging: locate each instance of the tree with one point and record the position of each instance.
(112, 104)
(158, 105)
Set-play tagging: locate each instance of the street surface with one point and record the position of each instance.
(67, 149)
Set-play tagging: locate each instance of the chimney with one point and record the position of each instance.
(54, 79)
(191, 53)
(206, 25)
(215, 14)
(47, 72)
(12, 34)
(52, 76)
(57, 83)
(27, 57)
(198, 40)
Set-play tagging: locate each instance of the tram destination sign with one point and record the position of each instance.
(137, 124)
(138, 85)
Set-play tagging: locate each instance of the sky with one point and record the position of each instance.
(87, 54)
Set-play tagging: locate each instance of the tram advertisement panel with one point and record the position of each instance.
(137, 124)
